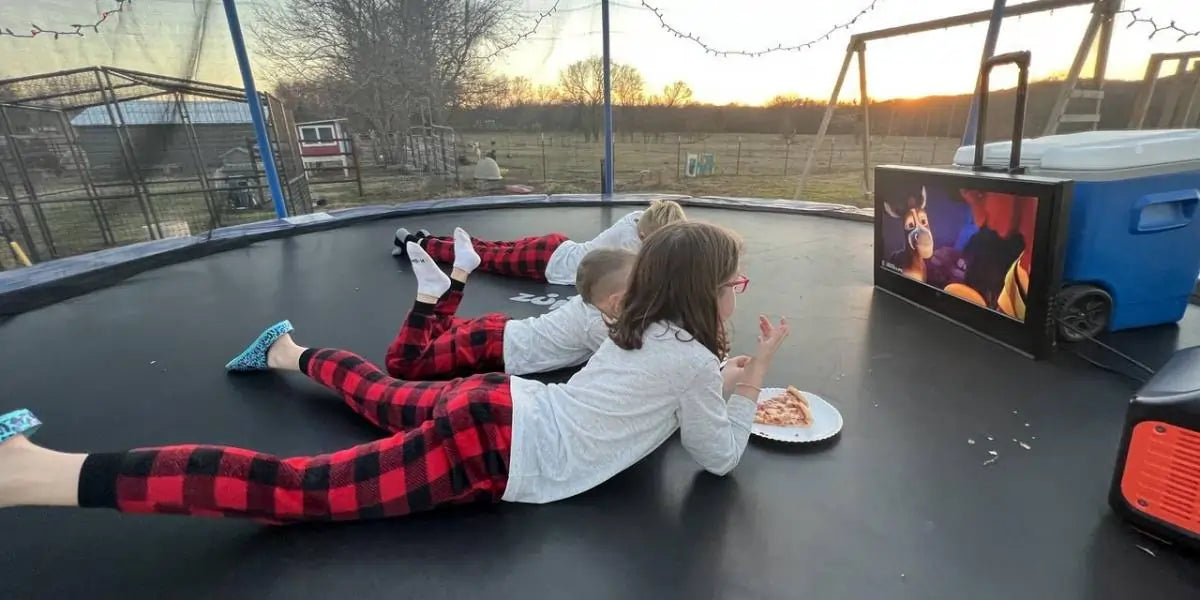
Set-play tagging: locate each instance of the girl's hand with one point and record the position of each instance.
(769, 339)
(736, 362)
(731, 373)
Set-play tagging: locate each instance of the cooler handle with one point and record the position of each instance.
(1164, 211)
(1021, 59)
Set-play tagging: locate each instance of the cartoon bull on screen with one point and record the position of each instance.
(918, 244)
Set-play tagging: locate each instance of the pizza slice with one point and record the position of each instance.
(788, 409)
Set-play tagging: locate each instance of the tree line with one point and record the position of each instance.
(574, 104)
(515, 104)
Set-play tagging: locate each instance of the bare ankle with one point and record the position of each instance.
(284, 354)
(459, 275)
(34, 476)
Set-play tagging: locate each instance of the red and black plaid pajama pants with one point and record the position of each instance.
(525, 258)
(434, 344)
(450, 445)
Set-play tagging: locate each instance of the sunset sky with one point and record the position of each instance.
(162, 36)
(941, 62)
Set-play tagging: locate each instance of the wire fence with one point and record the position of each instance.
(748, 165)
(96, 158)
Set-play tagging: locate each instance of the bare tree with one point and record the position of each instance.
(308, 101)
(628, 87)
(520, 92)
(629, 97)
(377, 58)
(676, 94)
(546, 95)
(582, 85)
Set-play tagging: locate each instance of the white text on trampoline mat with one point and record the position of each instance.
(552, 301)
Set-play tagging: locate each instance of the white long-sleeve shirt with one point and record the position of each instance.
(568, 438)
(564, 262)
(564, 337)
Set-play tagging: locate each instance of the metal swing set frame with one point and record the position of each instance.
(1098, 34)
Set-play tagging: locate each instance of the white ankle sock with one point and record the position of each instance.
(465, 256)
(431, 281)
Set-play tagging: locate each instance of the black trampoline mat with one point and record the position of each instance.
(899, 506)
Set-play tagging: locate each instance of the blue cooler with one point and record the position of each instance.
(1132, 254)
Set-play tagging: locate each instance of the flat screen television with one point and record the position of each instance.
(983, 250)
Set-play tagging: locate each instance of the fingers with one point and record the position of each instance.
(783, 330)
(765, 326)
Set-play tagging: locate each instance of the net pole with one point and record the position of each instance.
(989, 48)
(256, 110)
(606, 186)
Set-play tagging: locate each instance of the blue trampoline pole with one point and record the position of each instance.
(989, 49)
(606, 186)
(256, 111)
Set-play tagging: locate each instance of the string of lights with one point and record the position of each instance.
(74, 31)
(755, 53)
(537, 22)
(1156, 28)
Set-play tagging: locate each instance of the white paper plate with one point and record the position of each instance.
(827, 421)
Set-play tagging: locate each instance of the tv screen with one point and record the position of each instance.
(981, 249)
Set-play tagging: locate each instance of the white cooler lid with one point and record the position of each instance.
(1093, 150)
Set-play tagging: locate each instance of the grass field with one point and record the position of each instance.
(752, 165)
(749, 165)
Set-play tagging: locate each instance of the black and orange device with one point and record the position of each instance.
(1156, 483)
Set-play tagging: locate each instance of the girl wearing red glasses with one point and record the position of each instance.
(484, 438)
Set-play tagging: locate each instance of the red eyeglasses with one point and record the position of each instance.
(739, 284)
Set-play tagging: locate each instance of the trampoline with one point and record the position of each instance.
(900, 505)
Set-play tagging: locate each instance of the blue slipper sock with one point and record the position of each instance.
(254, 358)
(18, 422)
